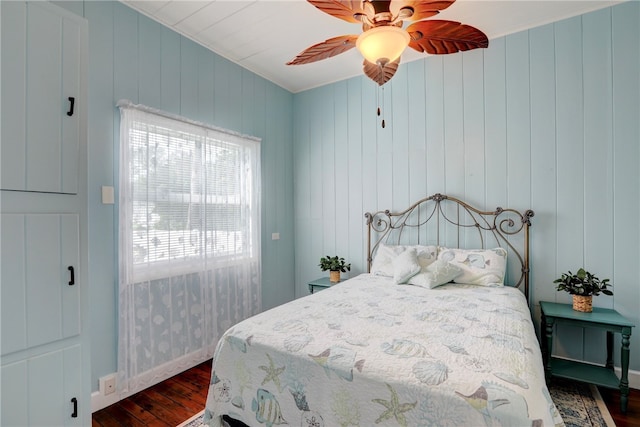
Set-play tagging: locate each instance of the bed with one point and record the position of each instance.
(433, 335)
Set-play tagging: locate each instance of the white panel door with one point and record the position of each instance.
(13, 126)
(40, 296)
(14, 406)
(44, 390)
(12, 285)
(41, 66)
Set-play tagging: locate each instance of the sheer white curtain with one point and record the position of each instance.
(189, 241)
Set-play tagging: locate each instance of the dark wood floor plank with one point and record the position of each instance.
(177, 392)
(124, 413)
(161, 406)
(197, 378)
(142, 416)
(612, 399)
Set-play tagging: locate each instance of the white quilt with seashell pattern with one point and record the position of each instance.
(370, 352)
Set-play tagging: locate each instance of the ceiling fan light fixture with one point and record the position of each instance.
(384, 44)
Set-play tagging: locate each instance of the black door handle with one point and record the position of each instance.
(73, 276)
(74, 401)
(72, 101)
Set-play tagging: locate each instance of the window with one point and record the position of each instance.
(191, 194)
(189, 241)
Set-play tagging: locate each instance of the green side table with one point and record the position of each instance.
(602, 318)
(320, 284)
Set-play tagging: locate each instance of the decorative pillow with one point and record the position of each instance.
(436, 274)
(427, 255)
(382, 264)
(485, 267)
(405, 266)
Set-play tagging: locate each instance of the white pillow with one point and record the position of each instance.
(436, 274)
(485, 267)
(382, 264)
(426, 255)
(405, 266)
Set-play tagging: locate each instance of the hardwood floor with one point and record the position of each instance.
(178, 398)
(612, 399)
(165, 404)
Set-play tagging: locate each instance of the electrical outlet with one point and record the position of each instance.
(108, 384)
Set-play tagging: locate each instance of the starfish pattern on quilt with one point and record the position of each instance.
(394, 408)
(273, 373)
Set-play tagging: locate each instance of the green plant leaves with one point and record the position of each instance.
(334, 263)
(582, 283)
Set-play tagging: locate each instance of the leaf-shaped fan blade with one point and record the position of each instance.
(421, 9)
(442, 37)
(379, 73)
(324, 50)
(345, 10)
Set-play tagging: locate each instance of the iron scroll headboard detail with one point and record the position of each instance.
(445, 221)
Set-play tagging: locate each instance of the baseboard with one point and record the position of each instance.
(634, 378)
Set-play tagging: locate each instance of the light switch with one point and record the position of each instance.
(275, 236)
(107, 195)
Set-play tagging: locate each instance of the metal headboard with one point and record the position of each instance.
(446, 221)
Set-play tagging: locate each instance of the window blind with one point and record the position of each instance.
(191, 191)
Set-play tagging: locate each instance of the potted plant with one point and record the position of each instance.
(335, 265)
(582, 285)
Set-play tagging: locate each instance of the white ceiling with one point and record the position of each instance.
(262, 35)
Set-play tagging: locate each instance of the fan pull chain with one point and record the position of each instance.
(380, 110)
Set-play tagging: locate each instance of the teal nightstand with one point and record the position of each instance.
(602, 318)
(320, 284)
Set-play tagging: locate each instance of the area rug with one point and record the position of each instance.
(195, 421)
(579, 404)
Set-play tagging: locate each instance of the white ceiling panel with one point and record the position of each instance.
(175, 11)
(148, 7)
(263, 35)
(211, 15)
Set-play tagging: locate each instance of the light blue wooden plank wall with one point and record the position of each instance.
(133, 57)
(354, 157)
(546, 119)
(626, 174)
(598, 151)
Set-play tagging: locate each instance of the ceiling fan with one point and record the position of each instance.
(383, 37)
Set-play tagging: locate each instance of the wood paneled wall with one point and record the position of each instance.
(132, 57)
(546, 119)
